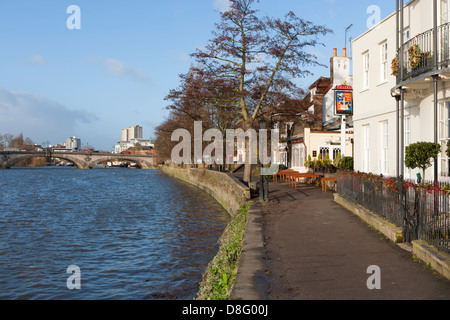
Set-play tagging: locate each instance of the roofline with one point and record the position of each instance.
(382, 21)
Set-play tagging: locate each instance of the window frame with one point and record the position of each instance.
(366, 69)
(384, 61)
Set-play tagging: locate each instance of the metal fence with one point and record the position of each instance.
(422, 210)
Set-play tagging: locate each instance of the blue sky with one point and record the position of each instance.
(116, 70)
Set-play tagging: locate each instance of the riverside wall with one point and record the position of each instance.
(226, 189)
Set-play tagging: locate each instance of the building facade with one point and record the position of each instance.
(122, 146)
(401, 89)
(310, 126)
(73, 143)
(134, 132)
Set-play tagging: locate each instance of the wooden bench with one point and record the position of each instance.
(325, 182)
(288, 176)
(308, 175)
(282, 174)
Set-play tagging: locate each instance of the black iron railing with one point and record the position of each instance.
(419, 56)
(422, 210)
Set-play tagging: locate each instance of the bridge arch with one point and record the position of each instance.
(14, 158)
(142, 163)
(81, 160)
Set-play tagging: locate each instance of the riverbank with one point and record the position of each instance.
(225, 188)
(220, 275)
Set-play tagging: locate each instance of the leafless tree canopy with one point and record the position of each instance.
(245, 71)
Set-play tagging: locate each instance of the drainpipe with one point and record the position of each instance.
(435, 34)
(436, 137)
(397, 115)
(397, 97)
(401, 53)
(402, 133)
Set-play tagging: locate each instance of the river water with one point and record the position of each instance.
(132, 234)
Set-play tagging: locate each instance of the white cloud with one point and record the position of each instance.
(117, 68)
(38, 117)
(37, 59)
(222, 5)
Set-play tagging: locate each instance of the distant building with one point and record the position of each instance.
(134, 132)
(73, 143)
(132, 137)
(125, 145)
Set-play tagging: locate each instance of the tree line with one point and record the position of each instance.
(244, 73)
(8, 140)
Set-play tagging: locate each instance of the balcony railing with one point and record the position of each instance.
(419, 56)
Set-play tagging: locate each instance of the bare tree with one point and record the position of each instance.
(256, 57)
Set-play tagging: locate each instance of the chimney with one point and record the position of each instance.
(334, 52)
(344, 52)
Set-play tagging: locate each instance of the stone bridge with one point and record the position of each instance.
(82, 160)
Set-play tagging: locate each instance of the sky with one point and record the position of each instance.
(115, 71)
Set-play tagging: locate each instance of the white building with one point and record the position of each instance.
(73, 143)
(392, 111)
(125, 145)
(134, 132)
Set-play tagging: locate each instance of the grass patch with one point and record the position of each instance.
(220, 274)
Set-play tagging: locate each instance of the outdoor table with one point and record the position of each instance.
(288, 175)
(308, 175)
(325, 181)
(281, 173)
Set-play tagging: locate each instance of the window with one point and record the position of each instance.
(336, 152)
(384, 138)
(444, 11)
(324, 151)
(406, 34)
(384, 61)
(366, 70)
(298, 155)
(366, 148)
(444, 135)
(407, 130)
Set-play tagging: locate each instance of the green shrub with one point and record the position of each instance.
(221, 272)
(420, 154)
(346, 163)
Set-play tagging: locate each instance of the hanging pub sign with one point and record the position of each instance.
(343, 100)
(296, 140)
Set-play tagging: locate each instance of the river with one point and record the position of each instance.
(132, 234)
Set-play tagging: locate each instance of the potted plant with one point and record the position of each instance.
(415, 56)
(309, 163)
(327, 162)
(318, 164)
(395, 66)
(337, 160)
(420, 155)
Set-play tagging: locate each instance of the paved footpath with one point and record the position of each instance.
(317, 250)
